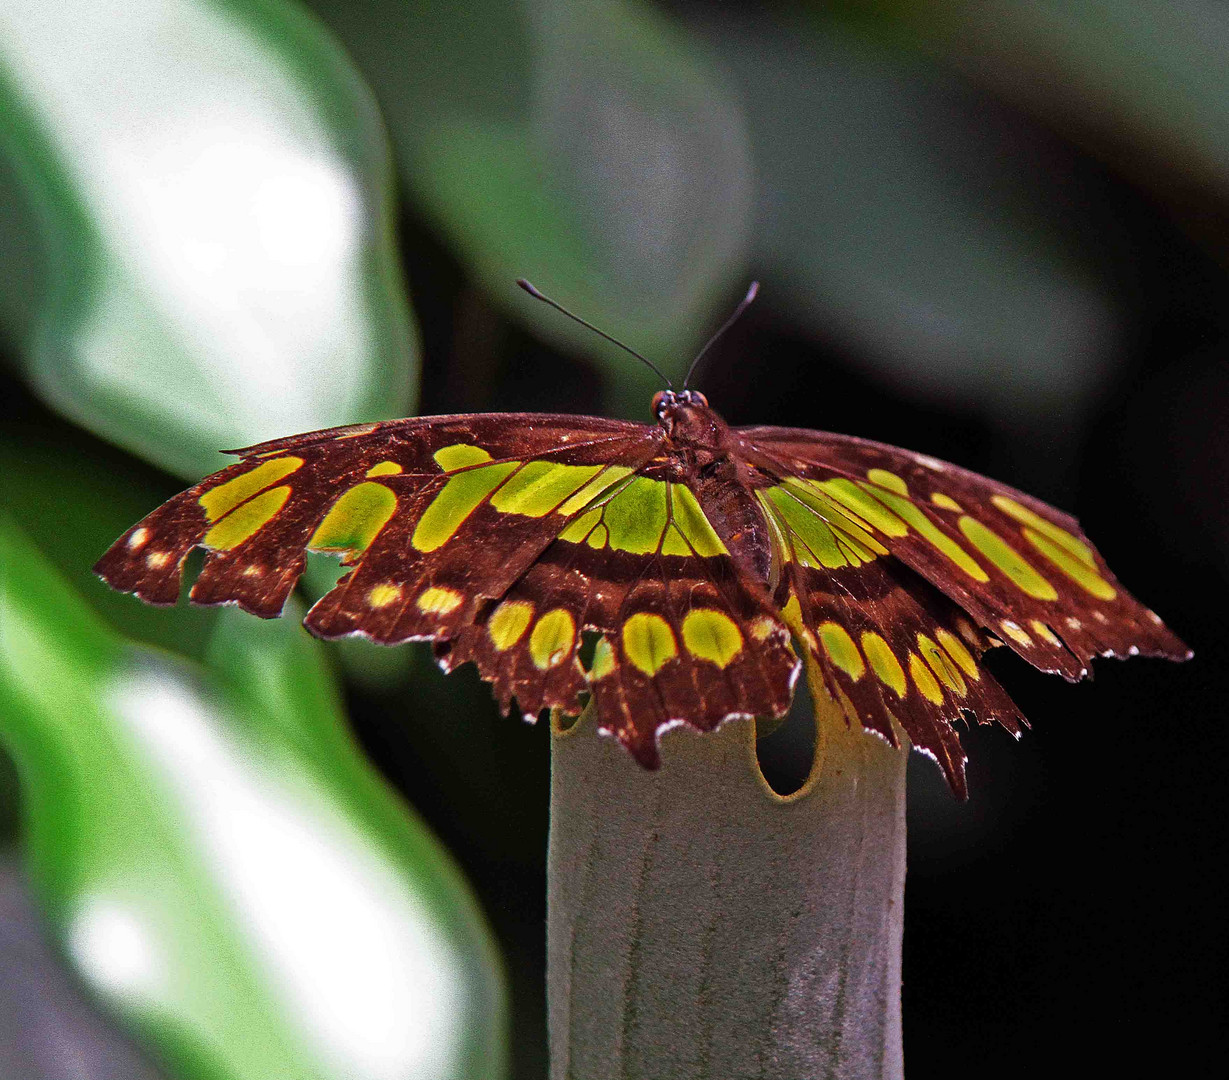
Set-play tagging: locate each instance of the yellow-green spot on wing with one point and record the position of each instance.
(841, 649)
(888, 480)
(246, 520)
(843, 521)
(458, 499)
(924, 680)
(460, 456)
(596, 488)
(954, 648)
(864, 543)
(1088, 580)
(225, 497)
(603, 660)
(814, 544)
(673, 543)
(552, 638)
(1059, 535)
(1044, 632)
(1007, 559)
(384, 468)
(355, 519)
(538, 487)
(692, 524)
(580, 528)
(508, 623)
(946, 502)
(941, 664)
(874, 513)
(711, 635)
(438, 600)
(883, 662)
(383, 595)
(636, 516)
(929, 531)
(648, 642)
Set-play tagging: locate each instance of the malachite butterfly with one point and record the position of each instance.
(698, 560)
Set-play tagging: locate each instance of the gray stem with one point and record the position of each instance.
(700, 926)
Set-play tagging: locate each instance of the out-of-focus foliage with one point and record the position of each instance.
(590, 146)
(892, 215)
(76, 503)
(1142, 80)
(210, 186)
(221, 865)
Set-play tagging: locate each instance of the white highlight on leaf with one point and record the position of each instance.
(114, 943)
(231, 221)
(354, 956)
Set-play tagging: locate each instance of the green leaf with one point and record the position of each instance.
(590, 147)
(75, 495)
(218, 861)
(1143, 80)
(212, 191)
(891, 217)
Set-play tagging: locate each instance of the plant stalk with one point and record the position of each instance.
(701, 927)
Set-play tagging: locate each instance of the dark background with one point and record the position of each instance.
(1071, 913)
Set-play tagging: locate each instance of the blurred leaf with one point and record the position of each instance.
(1142, 79)
(898, 214)
(588, 146)
(22, 257)
(212, 186)
(219, 862)
(76, 496)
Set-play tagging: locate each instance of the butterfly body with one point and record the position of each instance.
(704, 559)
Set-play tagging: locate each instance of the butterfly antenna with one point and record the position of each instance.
(743, 304)
(537, 294)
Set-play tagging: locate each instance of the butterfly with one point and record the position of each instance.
(671, 572)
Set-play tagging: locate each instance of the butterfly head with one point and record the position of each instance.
(687, 419)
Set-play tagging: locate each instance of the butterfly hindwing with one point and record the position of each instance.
(892, 648)
(682, 635)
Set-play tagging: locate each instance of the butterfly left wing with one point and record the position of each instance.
(501, 538)
(1021, 569)
(433, 513)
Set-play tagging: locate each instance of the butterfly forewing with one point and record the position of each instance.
(360, 493)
